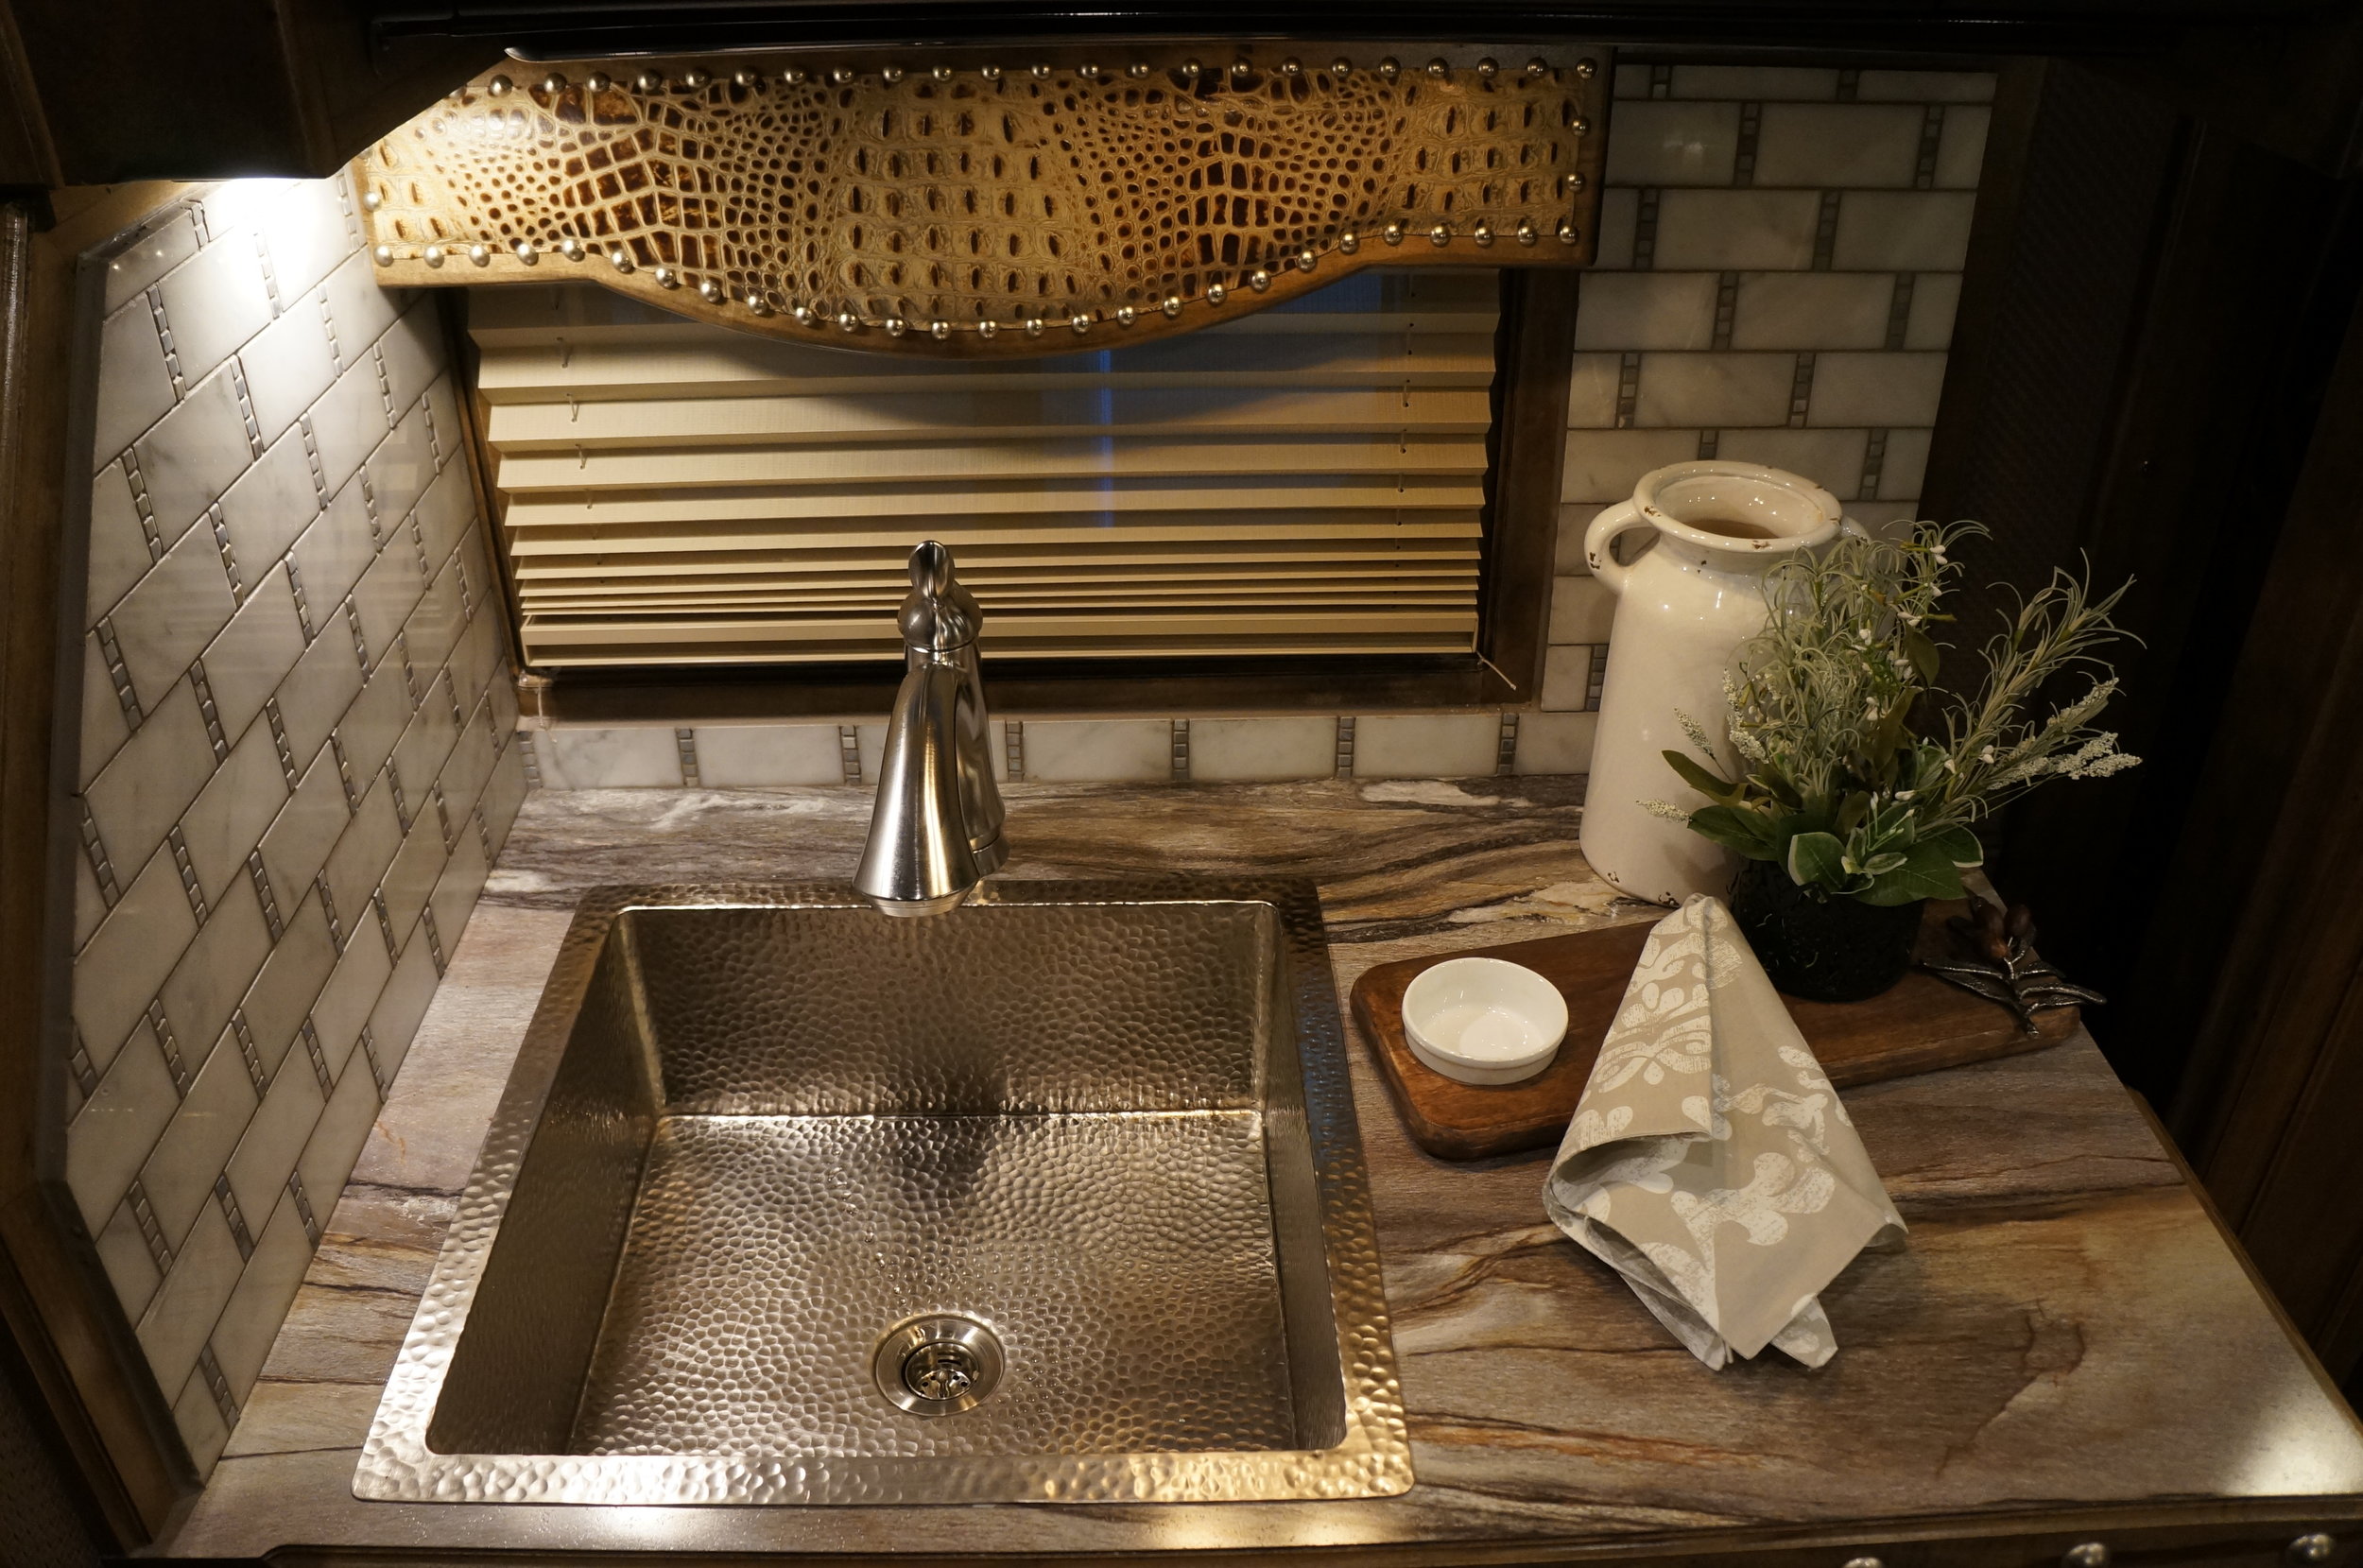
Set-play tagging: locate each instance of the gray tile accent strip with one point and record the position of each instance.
(208, 711)
(1013, 743)
(287, 768)
(1181, 751)
(368, 1054)
(344, 771)
(260, 875)
(1645, 230)
(385, 387)
(304, 1204)
(229, 557)
(253, 1058)
(1744, 154)
(142, 504)
(434, 940)
(180, 862)
(483, 833)
(303, 610)
(328, 907)
(386, 923)
(100, 866)
(1506, 756)
(1661, 80)
(685, 742)
(163, 335)
(1931, 138)
(311, 1037)
(1597, 678)
(230, 1211)
(467, 590)
(1726, 309)
(152, 1233)
(1900, 309)
(1826, 229)
(409, 675)
(1628, 389)
(1874, 456)
(360, 642)
(173, 1062)
(1709, 440)
(337, 355)
(78, 1059)
(525, 749)
(312, 442)
(849, 752)
(112, 651)
(246, 399)
(1849, 84)
(1345, 746)
(442, 817)
(1800, 391)
(209, 1366)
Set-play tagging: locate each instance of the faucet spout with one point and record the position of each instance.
(936, 830)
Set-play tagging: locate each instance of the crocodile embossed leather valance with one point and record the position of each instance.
(961, 203)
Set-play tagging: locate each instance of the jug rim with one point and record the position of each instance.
(1831, 511)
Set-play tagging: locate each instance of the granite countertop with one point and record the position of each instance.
(2066, 1339)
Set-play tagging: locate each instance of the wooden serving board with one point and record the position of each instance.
(1917, 1027)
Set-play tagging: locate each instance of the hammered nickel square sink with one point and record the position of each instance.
(1055, 1197)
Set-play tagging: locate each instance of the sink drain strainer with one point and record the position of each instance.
(938, 1365)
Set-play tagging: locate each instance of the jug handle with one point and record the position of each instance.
(1599, 545)
(1848, 526)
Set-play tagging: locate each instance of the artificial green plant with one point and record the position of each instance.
(1857, 774)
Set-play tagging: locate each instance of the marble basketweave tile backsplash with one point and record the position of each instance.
(296, 757)
(1781, 253)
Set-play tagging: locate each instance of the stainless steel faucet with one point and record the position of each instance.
(936, 830)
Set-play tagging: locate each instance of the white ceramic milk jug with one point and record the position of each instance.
(1694, 594)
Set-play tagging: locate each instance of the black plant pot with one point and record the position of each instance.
(1822, 950)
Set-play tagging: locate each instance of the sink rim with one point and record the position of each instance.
(1372, 1459)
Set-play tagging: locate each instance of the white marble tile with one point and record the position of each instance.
(872, 739)
(456, 890)
(1935, 296)
(1887, 519)
(358, 309)
(1619, 212)
(305, 231)
(267, 1288)
(341, 1010)
(1583, 610)
(106, 1145)
(134, 386)
(1715, 231)
(306, 828)
(130, 1267)
(1427, 745)
(230, 815)
(412, 876)
(1592, 385)
(215, 973)
(1630, 81)
(639, 758)
(471, 763)
(1713, 391)
(394, 1022)
(444, 512)
(180, 1172)
(358, 862)
(152, 780)
(1603, 465)
(1903, 230)
(1841, 144)
(149, 258)
(1812, 310)
(1904, 466)
(1094, 750)
(274, 1140)
(1760, 82)
(193, 455)
(270, 505)
(1645, 310)
(1575, 517)
(337, 1140)
(733, 756)
(318, 691)
(1961, 147)
(254, 653)
(215, 302)
(199, 1419)
(1830, 458)
(1296, 747)
(104, 728)
(292, 979)
(134, 948)
(1876, 389)
(435, 622)
(334, 551)
(1566, 677)
(289, 364)
(1924, 86)
(349, 421)
(118, 546)
(164, 623)
(419, 755)
(387, 591)
(413, 351)
(1666, 142)
(504, 794)
(1556, 743)
(402, 465)
(374, 722)
(192, 1297)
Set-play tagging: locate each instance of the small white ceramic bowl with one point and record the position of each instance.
(1483, 1020)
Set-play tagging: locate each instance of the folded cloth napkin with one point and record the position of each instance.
(1710, 1161)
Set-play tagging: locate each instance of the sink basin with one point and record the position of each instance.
(1057, 1198)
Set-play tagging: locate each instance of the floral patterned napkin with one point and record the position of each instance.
(1710, 1161)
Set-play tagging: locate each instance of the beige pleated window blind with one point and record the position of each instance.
(1303, 479)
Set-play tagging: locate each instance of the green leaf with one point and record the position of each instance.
(1713, 785)
(1746, 831)
(1879, 865)
(1816, 857)
(1853, 809)
(1960, 846)
(1922, 653)
(1927, 871)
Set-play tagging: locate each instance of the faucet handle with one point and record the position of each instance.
(939, 614)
